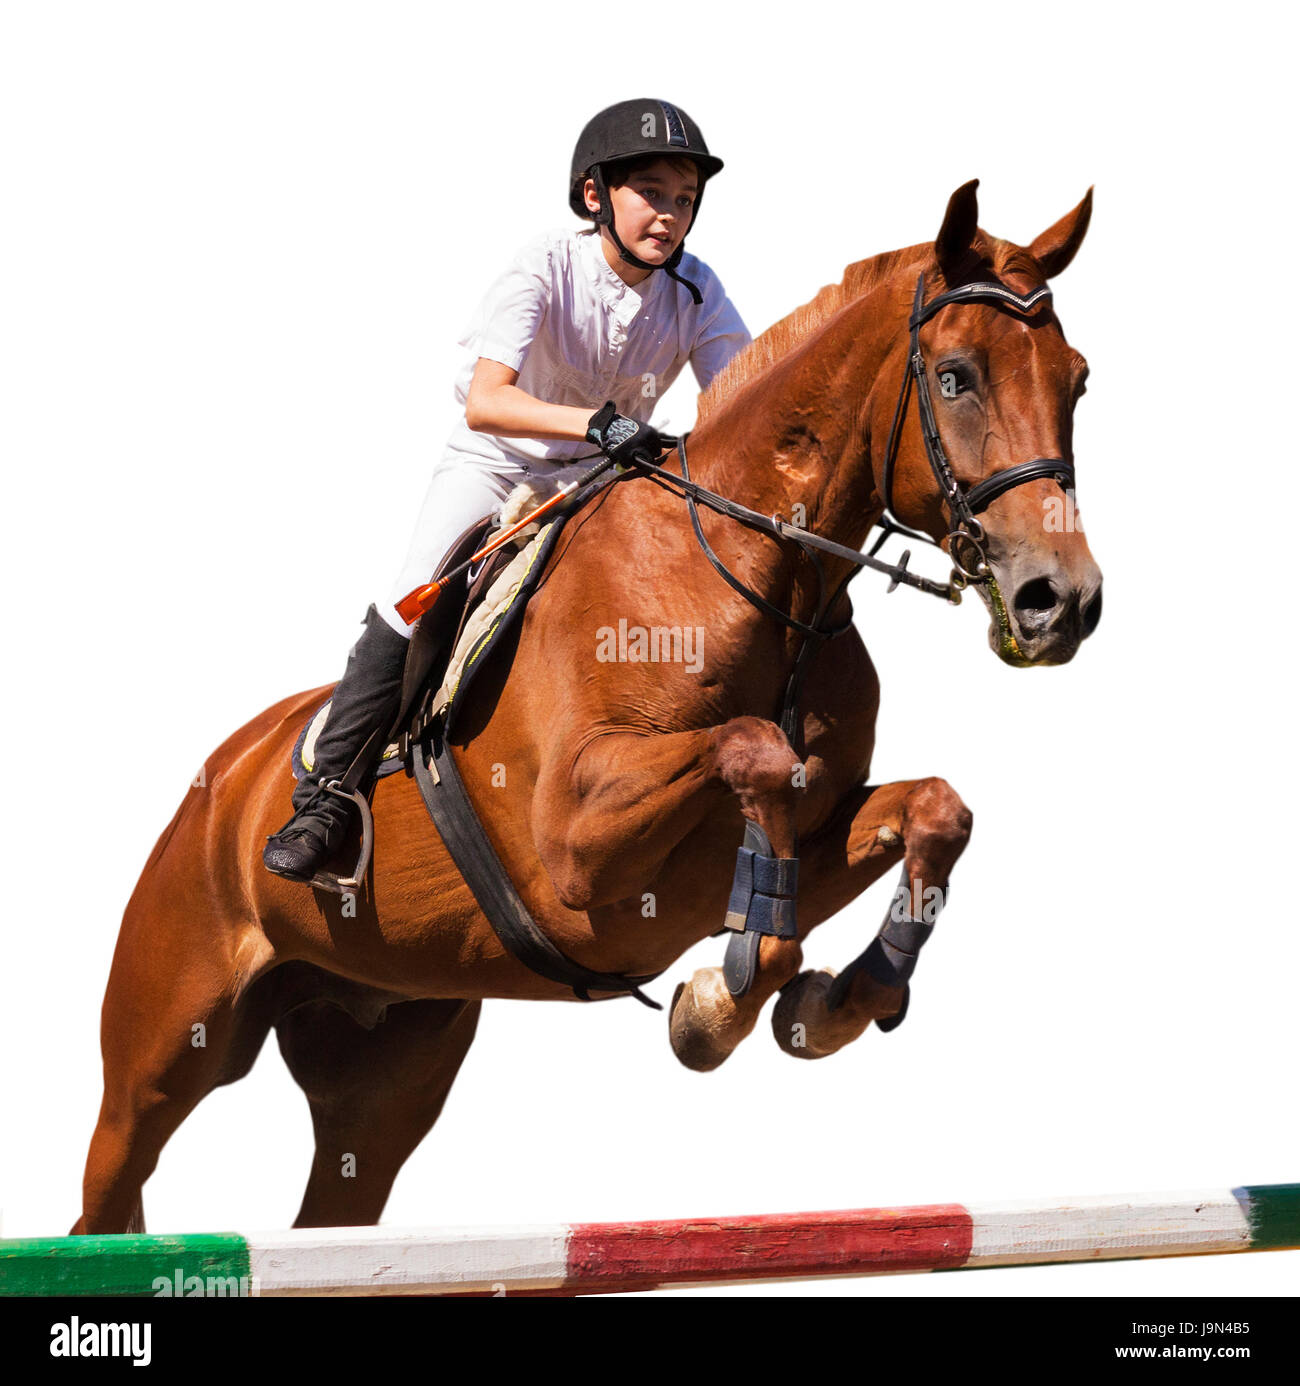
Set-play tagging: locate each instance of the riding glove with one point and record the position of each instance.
(619, 437)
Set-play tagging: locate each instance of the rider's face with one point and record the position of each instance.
(653, 208)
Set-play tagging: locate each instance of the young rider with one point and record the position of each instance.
(580, 317)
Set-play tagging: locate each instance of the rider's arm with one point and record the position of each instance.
(495, 404)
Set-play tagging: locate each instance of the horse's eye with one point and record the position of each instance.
(952, 381)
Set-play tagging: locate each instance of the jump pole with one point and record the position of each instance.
(603, 1258)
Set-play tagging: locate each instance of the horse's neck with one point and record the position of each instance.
(796, 440)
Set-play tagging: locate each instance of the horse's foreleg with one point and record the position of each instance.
(606, 820)
(706, 1021)
(925, 824)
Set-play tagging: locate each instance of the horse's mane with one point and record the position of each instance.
(859, 278)
(787, 333)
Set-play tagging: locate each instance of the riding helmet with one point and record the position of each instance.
(630, 130)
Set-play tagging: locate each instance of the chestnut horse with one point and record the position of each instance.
(604, 784)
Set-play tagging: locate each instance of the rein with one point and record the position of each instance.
(814, 632)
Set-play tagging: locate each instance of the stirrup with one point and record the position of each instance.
(349, 885)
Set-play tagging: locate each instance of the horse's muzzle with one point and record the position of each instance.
(1047, 614)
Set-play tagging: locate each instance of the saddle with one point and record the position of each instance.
(450, 645)
(439, 645)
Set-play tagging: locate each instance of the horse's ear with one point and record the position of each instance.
(1056, 247)
(957, 233)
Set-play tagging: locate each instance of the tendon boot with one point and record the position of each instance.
(364, 702)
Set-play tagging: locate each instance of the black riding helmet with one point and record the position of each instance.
(631, 130)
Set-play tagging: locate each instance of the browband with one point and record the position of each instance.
(982, 291)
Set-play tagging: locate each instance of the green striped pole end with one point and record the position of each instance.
(1272, 1214)
(215, 1264)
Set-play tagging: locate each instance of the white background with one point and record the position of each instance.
(238, 246)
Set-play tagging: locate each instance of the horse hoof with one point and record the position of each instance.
(696, 1018)
(806, 1028)
(800, 1015)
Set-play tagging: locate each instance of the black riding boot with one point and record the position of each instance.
(366, 695)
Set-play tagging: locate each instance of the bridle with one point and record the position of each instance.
(966, 534)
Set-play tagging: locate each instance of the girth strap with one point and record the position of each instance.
(458, 825)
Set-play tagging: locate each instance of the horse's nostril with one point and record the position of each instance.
(1036, 598)
(1092, 615)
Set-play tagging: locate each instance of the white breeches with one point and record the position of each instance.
(460, 492)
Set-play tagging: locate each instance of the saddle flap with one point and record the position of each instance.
(435, 632)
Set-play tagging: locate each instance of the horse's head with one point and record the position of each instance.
(1001, 383)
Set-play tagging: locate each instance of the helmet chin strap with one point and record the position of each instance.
(605, 217)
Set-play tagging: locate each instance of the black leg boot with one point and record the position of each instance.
(366, 695)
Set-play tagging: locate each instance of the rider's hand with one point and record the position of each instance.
(619, 437)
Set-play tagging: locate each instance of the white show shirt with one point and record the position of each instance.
(578, 335)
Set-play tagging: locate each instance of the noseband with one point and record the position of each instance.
(966, 533)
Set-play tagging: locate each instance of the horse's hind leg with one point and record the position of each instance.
(134, 1223)
(374, 1095)
(170, 1013)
